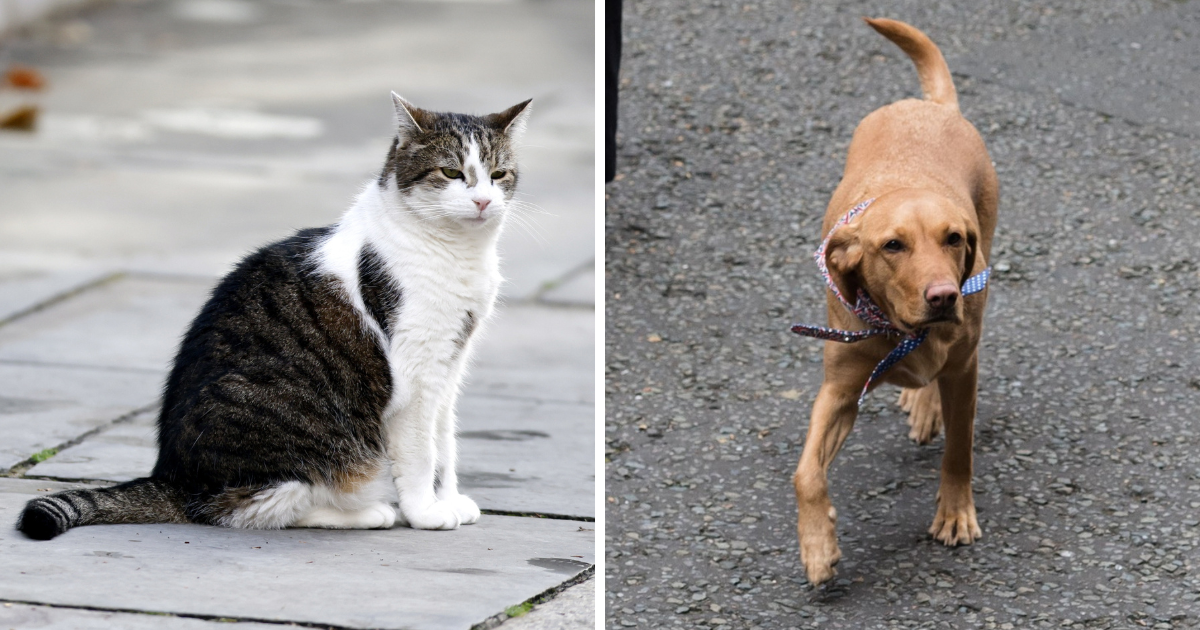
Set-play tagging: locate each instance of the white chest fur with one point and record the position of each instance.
(448, 276)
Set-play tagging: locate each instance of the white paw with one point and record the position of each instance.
(437, 515)
(381, 516)
(464, 507)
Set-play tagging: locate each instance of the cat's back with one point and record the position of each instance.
(274, 298)
(277, 353)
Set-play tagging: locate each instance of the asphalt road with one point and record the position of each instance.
(734, 123)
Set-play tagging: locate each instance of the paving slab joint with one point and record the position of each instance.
(540, 598)
(556, 517)
(218, 618)
(20, 468)
(64, 296)
(548, 286)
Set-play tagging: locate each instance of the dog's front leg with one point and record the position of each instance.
(832, 418)
(955, 523)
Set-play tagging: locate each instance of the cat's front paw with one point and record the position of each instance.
(464, 507)
(437, 515)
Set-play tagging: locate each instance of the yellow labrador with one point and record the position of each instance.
(909, 225)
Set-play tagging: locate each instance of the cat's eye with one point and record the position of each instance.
(499, 174)
(954, 239)
(452, 173)
(894, 246)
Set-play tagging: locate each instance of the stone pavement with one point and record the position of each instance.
(175, 136)
(735, 121)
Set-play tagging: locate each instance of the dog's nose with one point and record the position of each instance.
(941, 296)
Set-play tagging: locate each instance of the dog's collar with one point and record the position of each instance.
(869, 312)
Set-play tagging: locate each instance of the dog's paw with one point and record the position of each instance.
(955, 522)
(437, 515)
(818, 546)
(924, 407)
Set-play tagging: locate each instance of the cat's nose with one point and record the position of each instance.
(481, 204)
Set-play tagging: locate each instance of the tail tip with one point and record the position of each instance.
(38, 523)
(876, 23)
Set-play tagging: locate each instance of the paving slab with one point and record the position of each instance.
(398, 578)
(21, 291)
(133, 322)
(31, 617)
(528, 456)
(150, 177)
(578, 289)
(537, 352)
(572, 609)
(125, 451)
(515, 455)
(45, 406)
(15, 14)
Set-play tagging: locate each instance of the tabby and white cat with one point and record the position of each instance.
(329, 363)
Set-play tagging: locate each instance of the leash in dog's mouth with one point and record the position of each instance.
(869, 312)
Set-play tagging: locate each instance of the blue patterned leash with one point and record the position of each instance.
(870, 313)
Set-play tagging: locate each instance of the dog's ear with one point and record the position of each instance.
(969, 260)
(843, 256)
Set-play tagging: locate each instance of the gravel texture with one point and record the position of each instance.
(734, 124)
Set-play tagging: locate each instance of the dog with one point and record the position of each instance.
(908, 234)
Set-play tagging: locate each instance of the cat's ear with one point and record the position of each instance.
(410, 118)
(512, 120)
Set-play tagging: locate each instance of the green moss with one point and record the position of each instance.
(518, 610)
(42, 456)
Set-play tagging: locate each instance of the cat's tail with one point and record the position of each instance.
(936, 82)
(145, 500)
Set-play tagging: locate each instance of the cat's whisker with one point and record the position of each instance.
(528, 228)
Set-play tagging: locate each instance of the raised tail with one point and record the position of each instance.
(931, 66)
(143, 500)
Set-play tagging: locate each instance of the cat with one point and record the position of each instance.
(329, 363)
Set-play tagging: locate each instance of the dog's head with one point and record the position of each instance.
(911, 251)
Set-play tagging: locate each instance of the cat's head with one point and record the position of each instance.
(454, 167)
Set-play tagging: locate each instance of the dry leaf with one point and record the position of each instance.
(25, 78)
(23, 118)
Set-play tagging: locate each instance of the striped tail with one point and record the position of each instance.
(936, 81)
(143, 500)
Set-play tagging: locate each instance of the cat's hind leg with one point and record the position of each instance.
(272, 507)
(378, 516)
(356, 500)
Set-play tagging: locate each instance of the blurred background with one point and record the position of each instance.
(176, 135)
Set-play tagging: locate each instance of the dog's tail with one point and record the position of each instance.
(931, 66)
(145, 500)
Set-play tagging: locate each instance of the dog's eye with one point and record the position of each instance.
(894, 246)
(452, 173)
(954, 239)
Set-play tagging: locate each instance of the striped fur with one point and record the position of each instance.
(138, 501)
(328, 364)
